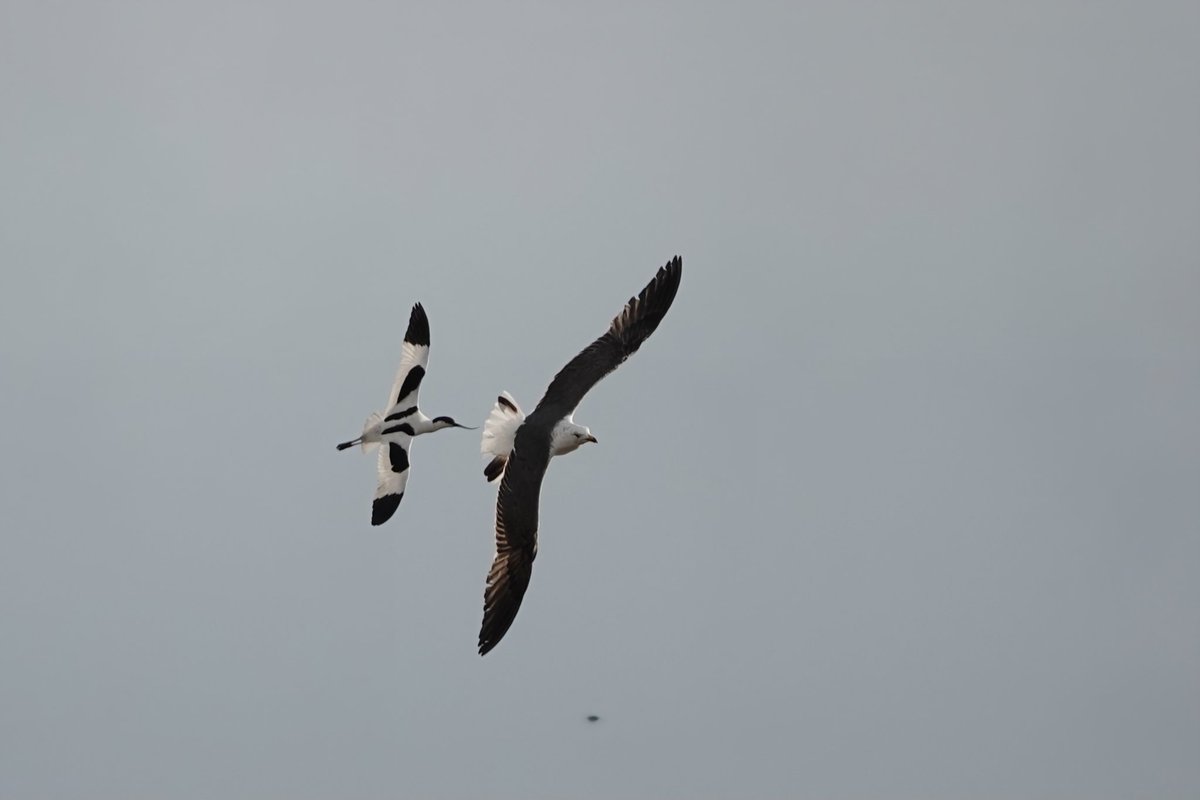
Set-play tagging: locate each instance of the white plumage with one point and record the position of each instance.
(499, 433)
(403, 420)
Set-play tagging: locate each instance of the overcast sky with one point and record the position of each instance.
(902, 500)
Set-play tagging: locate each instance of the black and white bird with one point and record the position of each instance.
(521, 447)
(395, 428)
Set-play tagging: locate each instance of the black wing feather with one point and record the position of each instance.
(418, 326)
(625, 335)
(382, 508)
(520, 489)
(516, 535)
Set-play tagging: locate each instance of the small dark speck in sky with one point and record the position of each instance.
(593, 718)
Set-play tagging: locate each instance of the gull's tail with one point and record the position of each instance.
(499, 433)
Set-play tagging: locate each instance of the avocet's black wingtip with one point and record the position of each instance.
(418, 326)
(384, 507)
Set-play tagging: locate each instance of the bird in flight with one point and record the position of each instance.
(401, 421)
(521, 447)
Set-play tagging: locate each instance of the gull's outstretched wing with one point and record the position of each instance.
(393, 476)
(520, 489)
(414, 356)
(516, 535)
(625, 335)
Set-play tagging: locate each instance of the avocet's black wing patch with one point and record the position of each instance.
(393, 477)
(384, 507)
(414, 359)
(625, 335)
(411, 385)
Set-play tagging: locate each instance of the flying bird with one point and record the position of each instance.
(402, 420)
(521, 447)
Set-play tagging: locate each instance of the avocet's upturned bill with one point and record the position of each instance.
(521, 448)
(402, 420)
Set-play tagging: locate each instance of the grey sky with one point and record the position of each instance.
(901, 501)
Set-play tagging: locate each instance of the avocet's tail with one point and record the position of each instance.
(370, 434)
(371, 428)
(499, 432)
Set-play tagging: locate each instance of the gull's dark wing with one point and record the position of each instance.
(516, 535)
(629, 329)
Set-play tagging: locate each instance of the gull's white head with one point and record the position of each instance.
(568, 436)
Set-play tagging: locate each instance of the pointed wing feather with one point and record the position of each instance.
(516, 535)
(393, 477)
(414, 357)
(520, 488)
(625, 335)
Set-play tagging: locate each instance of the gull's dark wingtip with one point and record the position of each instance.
(643, 313)
(626, 333)
(489, 638)
(497, 620)
(667, 280)
(491, 633)
(507, 581)
(418, 326)
(665, 285)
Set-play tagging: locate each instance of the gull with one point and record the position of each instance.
(402, 420)
(521, 447)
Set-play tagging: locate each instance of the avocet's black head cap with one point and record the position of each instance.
(450, 421)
